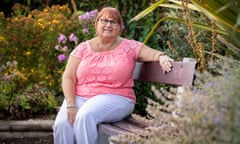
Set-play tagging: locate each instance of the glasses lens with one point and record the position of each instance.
(106, 21)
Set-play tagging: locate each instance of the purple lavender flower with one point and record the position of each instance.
(85, 30)
(84, 17)
(61, 58)
(93, 13)
(123, 27)
(73, 38)
(217, 121)
(62, 39)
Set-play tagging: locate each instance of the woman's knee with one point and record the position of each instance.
(85, 116)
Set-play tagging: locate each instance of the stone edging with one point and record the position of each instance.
(25, 128)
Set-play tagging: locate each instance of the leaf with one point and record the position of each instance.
(195, 24)
(237, 22)
(146, 11)
(29, 88)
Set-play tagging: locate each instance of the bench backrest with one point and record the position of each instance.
(181, 75)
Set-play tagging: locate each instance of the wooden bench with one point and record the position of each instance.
(181, 76)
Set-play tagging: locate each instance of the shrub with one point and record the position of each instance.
(22, 103)
(215, 105)
(28, 38)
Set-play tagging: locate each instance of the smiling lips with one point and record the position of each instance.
(107, 31)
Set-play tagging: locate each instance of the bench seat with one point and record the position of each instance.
(127, 125)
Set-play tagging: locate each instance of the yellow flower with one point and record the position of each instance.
(40, 20)
(2, 38)
(5, 74)
(32, 70)
(45, 10)
(51, 29)
(55, 21)
(60, 26)
(59, 71)
(23, 77)
(28, 53)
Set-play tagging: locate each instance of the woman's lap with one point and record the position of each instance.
(107, 107)
(103, 107)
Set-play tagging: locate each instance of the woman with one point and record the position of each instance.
(97, 82)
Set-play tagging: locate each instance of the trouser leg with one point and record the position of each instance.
(62, 130)
(101, 108)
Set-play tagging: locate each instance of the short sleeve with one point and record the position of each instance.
(78, 52)
(135, 46)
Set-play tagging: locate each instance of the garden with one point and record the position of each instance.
(37, 37)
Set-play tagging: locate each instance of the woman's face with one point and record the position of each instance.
(107, 27)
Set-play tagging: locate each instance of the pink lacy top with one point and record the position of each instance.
(109, 72)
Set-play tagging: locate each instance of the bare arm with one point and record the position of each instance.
(69, 80)
(68, 86)
(148, 54)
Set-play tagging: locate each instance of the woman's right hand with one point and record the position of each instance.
(71, 114)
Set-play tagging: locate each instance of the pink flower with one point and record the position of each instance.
(61, 58)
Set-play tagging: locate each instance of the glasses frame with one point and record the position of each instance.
(105, 21)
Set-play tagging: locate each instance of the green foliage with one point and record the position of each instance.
(16, 103)
(29, 38)
(142, 90)
(224, 13)
(227, 15)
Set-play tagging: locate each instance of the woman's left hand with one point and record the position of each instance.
(166, 63)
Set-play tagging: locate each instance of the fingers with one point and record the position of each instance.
(71, 115)
(167, 67)
(71, 119)
(166, 64)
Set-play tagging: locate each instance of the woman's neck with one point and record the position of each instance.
(102, 40)
(103, 44)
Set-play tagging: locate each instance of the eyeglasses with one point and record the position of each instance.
(106, 21)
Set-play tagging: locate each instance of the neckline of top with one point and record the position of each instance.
(105, 52)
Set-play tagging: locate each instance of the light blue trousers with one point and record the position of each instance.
(91, 112)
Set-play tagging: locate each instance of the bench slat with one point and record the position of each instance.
(129, 127)
(141, 124)
(181, 74)
(108, 129)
